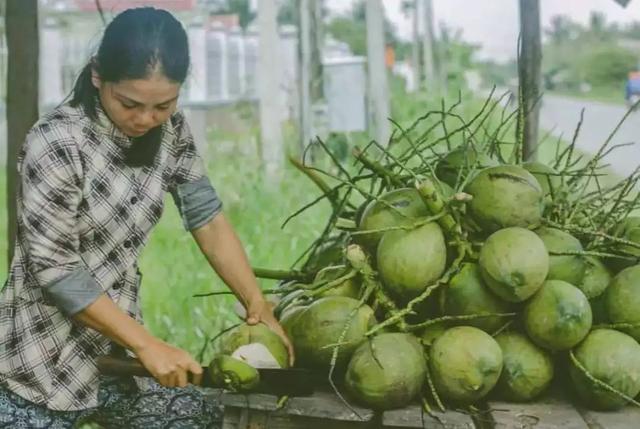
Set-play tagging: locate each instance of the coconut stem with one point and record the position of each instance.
(455, 266)
(433, 390)
(457, 318)
(617, 325)
(331, 194)
(410, 227)
(265, 273)
(369, 288)
(324, 286)
(601, 383)
(405, 311)
(583, 231)
(376, 167)
(592, 253)
(435, 204)
(390, 308)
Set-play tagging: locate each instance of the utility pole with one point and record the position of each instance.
(529, 70)
(415, 45)
(378, 84)
(430, 79)
(317, 44)
(304, 34)
(269, 91)
(22, 93)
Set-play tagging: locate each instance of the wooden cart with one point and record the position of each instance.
(324, 410)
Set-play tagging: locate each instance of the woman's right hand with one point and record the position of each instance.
(169, 365)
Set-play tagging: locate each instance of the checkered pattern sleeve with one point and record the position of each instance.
(195, 197)
(51, 191)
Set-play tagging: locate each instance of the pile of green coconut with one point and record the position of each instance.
(452, 274)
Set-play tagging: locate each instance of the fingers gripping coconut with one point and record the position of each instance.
(241, 351)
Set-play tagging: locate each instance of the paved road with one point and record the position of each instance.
(599, 121)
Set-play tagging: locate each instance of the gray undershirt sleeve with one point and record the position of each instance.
(197, 202)
(73, 292)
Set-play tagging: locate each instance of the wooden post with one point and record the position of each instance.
(269, 91)
(378, 84)
(304, 34)
(430, 79)
(415, 46)
(22, 93)
(530, 74)
(317, 40)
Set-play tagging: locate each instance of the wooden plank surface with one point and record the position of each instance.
(414, 417)
(325, 410)
(546, 413)
(627, 418)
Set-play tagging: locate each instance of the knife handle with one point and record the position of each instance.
(110, 365)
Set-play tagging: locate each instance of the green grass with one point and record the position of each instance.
(610, 95)
(174, 268)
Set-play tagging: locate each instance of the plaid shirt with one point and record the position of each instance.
(83, 219)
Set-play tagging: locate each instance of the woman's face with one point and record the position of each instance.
(136, 106)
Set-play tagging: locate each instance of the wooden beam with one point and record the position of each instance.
(22, 93)
(378, 84)
(530, 75)
(430, 80)
(304, 38)
(269, 91)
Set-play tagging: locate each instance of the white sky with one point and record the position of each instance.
(494, 23)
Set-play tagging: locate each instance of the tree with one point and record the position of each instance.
(351, 29)
(562, 29)
(22, 92)
(242, 8)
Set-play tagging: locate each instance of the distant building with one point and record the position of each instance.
(119, 5)
(226, 21)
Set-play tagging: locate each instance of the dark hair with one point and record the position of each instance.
(134, 44)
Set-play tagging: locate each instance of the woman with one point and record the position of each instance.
(94, 173)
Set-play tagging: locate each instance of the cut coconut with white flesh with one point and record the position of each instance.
(257, 355)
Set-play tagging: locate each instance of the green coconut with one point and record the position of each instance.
(319, 326)
(527, 370)
(465, 364)
(387, 372)
(248, 334)
(548, 178)
(505, 196)
(558, 316)
(349, 287)
(290, 314)
(394, 208)
(432, 332)
(622, 300)
(628, 229)
(455, 166)
(467, 295)
(613, 358)
(233, 374)
(514, 263)
(596, 277)
(569, 268)
(409, 261)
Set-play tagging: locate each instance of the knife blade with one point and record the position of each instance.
(275, 381)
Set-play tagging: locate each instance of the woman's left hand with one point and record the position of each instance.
(261, 310)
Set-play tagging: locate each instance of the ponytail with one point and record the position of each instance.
(84, 94)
